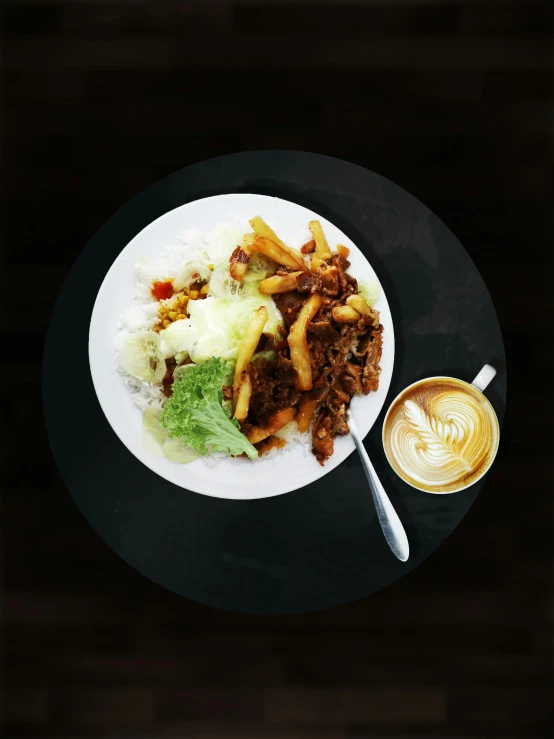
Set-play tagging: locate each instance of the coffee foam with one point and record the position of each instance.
(441, 435)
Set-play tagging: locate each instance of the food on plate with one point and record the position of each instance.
(275, 422)
(240, 344)
(260, 227)
(280, 283)
(306, 412)
(239, 260)
(247, 347)
(272, 250)
(241, 398)
(359, 304)
(321, 246)
(317, 262)
(141, 356)
(194, 413)
(345, 314)
(298, 342)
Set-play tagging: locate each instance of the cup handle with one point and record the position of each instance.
(484, 377)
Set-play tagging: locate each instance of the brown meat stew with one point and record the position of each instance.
(344, 358)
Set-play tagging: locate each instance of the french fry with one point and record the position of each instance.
(260, 227)
(279, 283)
(246, 350)
(298, 342)
(243, 397)
(321, 246)
(306, 413)
(344, 251)
(345, 314)
(276, 422)
(358, 302)
(238, 263)
(316, 262)
(274, 251)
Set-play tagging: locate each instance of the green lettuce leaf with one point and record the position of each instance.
(194, 412)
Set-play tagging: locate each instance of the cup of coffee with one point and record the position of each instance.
(441, 434)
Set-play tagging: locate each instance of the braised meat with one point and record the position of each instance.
(289, 304)
(371, 368)
(351, 379)
(337, 264)
(265, 343)
(273, 388)
(322, 438)
(344, 357)
(308, 283)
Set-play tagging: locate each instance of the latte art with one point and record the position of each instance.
(441, 435)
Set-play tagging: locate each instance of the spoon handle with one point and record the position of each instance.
(388, 518)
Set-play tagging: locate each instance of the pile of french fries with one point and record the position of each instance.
(265, 241)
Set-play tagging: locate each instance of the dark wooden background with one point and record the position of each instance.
(451, 101)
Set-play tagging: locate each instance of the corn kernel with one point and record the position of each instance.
(193, 294)
(204, 290)
(180, 316)
(182, 299)
(172, 315)
(166, 323)
(210, 266)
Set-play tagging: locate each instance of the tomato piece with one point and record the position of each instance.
(162, 290)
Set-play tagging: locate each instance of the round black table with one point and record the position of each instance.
(320, 546)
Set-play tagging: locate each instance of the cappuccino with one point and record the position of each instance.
(441, 435)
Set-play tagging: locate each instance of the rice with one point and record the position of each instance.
(143, 394)
(294, 438)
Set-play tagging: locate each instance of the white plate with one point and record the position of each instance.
(239, 479)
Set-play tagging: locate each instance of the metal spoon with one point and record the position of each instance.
(388, 518)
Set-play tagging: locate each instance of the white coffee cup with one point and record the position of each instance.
(441, 434)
